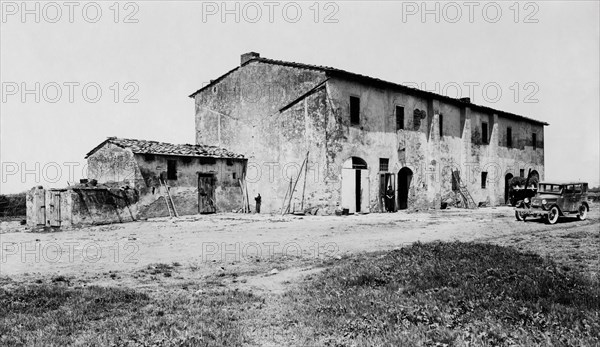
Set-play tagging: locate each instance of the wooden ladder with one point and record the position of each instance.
(464, 192)
(469, 202)
(168, 200)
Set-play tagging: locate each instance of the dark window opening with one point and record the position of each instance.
(171, 169)
(358, 163)
(399, 117)
(208, 160)
(534, 140)
(522, 173)
(484, 132)
(483, 180)
(354, 110)
(230, 162)
(234, 175)
(384, 164)
(149, 157)
(441, 125)
(455, 180)
(509, 137)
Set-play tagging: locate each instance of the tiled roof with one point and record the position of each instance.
(331, 71)
(163, 148)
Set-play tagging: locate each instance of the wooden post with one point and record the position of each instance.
(304, 187)
(243, 196)
(285, 197)
(247, 198)
(295, 183)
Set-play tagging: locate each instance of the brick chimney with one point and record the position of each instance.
(248, 56)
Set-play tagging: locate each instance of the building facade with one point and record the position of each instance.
(362, 135)
(132, 179)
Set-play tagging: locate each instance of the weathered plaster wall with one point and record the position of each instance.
(80, 206)
(99, 206)
(241, 114)
(184, 190)
(112, 163)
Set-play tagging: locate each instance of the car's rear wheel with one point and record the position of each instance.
(583, 212)
(552, 216)
(520, 216)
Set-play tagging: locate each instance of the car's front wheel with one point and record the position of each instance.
(552, 216)
(583, 212)
(520, 216)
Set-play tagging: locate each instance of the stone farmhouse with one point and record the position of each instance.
(132, 179)
(362, 135)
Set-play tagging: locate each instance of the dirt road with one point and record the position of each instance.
(203, 242)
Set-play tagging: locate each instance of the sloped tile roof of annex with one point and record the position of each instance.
(331, 71)
(164, 148)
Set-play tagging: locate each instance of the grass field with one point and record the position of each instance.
(446, 294)
(432, 294)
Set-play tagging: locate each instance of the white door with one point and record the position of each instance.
(348, 190)
(365, 187)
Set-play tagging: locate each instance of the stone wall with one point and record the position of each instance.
(80, 206)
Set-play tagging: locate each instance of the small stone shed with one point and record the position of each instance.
(128, 179)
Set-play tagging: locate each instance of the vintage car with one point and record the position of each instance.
(554, 200)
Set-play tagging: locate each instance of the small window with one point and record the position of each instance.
(484, 132)
(354, 110)
(399, 117)
(522, 173)
(441, 125)
(234, 175)
(384, 164)
(171, 169)
(534, 140)
(509, 137)
(483, 180)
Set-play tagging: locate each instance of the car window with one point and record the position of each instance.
(568, 189)
(577, 188)
(550, 188)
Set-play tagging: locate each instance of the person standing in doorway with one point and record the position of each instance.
(258, 199)
(389, 199)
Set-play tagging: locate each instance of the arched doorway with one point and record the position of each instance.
(535, 174)
(507, 179)
(405, 176)
(355, 185)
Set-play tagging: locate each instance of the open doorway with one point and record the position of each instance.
(206, 193)
(405, 176)
(387, 180)
(534, 174)
(355, 185)
(507, 179)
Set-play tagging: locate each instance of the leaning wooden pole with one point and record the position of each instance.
(243, 196)
(285, 197)
(247, 199)
(304, 187)
(295, 183)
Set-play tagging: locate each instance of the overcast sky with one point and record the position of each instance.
(542, 56)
